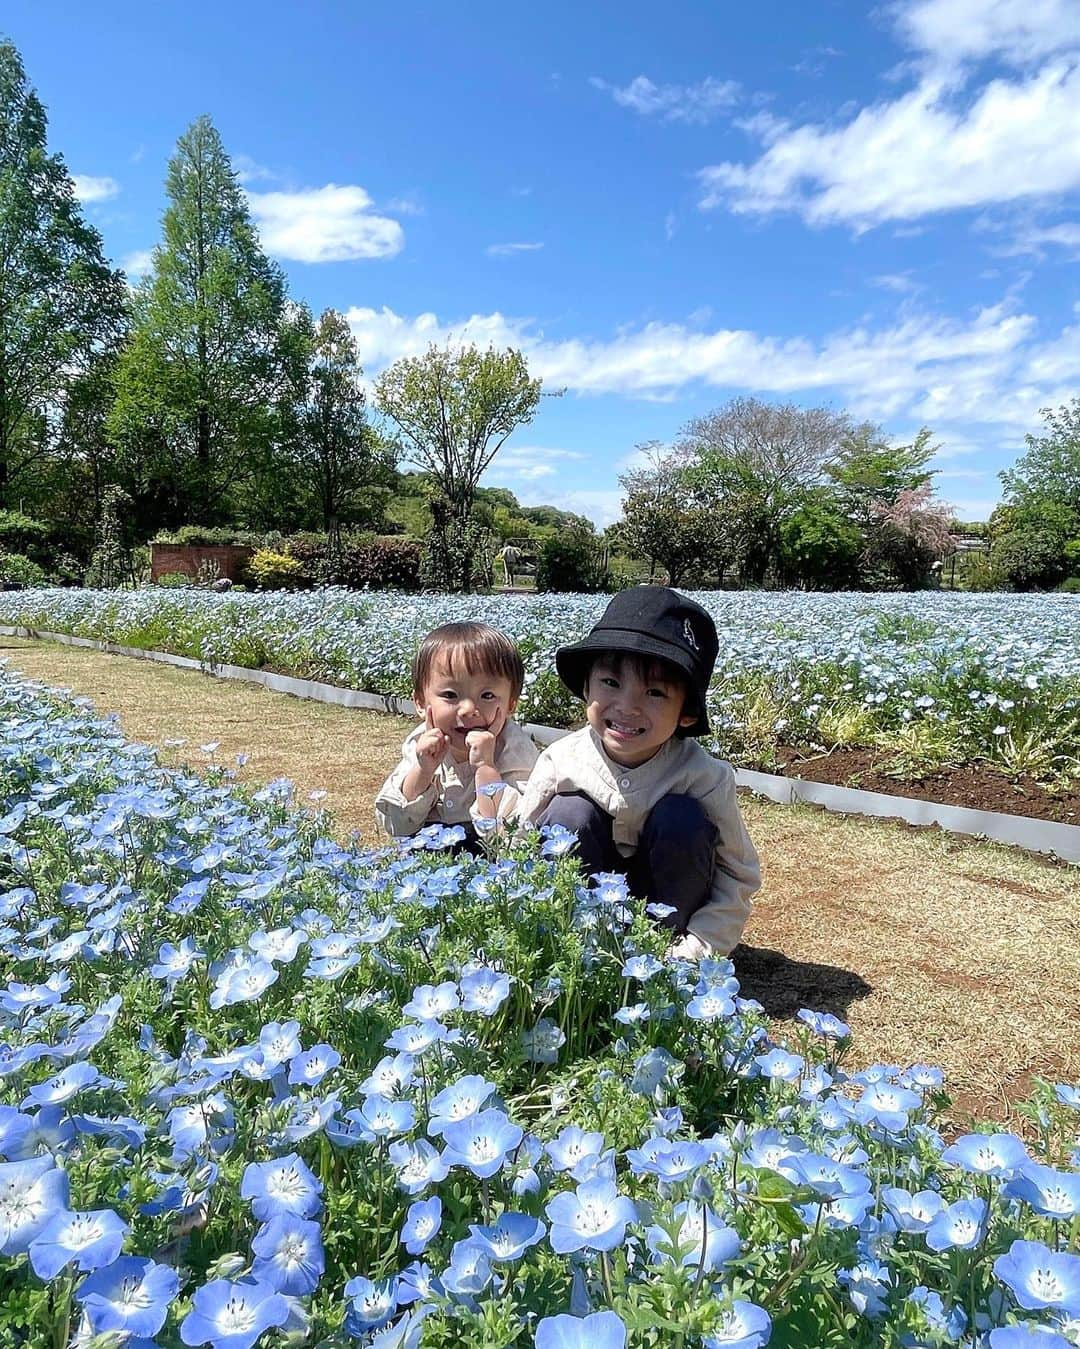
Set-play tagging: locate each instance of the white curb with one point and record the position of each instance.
(1021, 831)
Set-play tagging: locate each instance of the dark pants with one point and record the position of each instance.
(674, 859)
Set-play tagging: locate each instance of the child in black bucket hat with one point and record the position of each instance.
(641, 794)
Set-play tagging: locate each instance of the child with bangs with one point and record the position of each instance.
(640, 793)
(467, 679)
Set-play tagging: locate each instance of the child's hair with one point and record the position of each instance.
(648, 668)
(483, 649)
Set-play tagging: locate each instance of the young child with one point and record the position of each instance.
(467, 679)
(644, 798)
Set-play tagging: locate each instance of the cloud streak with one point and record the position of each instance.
(693, 103)
(324, 224)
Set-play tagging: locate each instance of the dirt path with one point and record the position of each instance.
(934, 948)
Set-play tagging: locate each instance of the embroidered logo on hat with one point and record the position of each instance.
(689, 634)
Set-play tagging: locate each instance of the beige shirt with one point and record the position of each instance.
(577, 763)
(451, 797)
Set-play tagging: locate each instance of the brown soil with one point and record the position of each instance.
(974, 785)
(933, 947)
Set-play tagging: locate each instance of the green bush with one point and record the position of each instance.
(20, 534)
(363, 561)
(1070, 586)
(571, 562)
(1029, 559)
(18, 569)
(175, 580)
(214, 536)
(270, 570)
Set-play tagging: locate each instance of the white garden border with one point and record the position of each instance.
(1042, 836)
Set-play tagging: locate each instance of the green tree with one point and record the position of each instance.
(663, 518)
(867, 470)
(200, 385)
(820, 545)
(61, 304)
(342, 459)
(1050, 468)
(454, 411)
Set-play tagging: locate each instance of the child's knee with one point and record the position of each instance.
(679, 819)
(574, 811)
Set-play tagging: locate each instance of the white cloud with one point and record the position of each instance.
(1039, 240)
(248, 170)
(137, 264)
(698, 103)
(927, 151)
(324, 224)
(408, 204)
(1018, 31)
(509, 250)
(88, 188)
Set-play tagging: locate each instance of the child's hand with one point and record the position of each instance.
(482, 744)
(431, 747)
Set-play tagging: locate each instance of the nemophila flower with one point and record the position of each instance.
(867, 1286)
(282, 944)
(913, 1212)
(987, 1154)
(289, 1254)
(641, 967)
(130, 1297)
(432, 1003)
(714, 1004)
(481, 1142)
(542, 1043)
(1028, 1335)
(418, 1164)
(174, 962)
(1039, 1277)
(484, 990)
(279, 1041)
(949, 1324)
(651, 1071)
(195, 1127)
(422, 1223)
(416, 1037)
(594, 1217)
(89, 1239)
(702, 1241)
(510, 1236)
(188, 898)
(600, 1330)
(331, 968)
(1050, 1193)
(229, 1315)
(392, 1074)
(32, 1192)
(308, 1116)
(310, 1067)
(417, 1283)
(243, 983)
(779, 1065)
(558, 841)
(1068, 1095)
(458, 1101)
(960, 1226)
(284, 1185)
(383, 1118)
(887, 1106)
(922, 1076)
(831, 1179)
(669, 1159)
(572, 1146)
(743, 1325)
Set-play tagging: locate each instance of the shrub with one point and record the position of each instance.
(1029, 559)
(17, 569)
(363, 561)
(275, 571)
(1070, 586)
(175, 580)
(571, 562)
(214, 536)
(21, 534)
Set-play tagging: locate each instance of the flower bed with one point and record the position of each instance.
(259, 1088)
(933, 678)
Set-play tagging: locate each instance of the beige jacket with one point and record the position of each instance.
(577, 763)
(451, 798)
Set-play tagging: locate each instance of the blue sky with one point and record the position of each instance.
(872, 208)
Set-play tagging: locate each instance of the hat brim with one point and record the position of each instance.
(574, 662)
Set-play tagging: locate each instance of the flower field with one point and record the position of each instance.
(257, 1088)
(932, 678)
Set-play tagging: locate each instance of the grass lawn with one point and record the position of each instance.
(935, 948)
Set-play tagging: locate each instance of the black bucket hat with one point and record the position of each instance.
(650, 621)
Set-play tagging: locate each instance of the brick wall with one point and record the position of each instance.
(228, 558)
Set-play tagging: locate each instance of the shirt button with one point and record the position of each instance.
(624, 782)
(450, 803)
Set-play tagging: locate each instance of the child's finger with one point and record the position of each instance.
(498, 722)
(429, 717)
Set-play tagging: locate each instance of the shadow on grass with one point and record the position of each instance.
(783, 985)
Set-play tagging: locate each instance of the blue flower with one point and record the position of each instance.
(285, 1185)
(32, 1193)
(1068, 1095)
(90, 1239)
(510, 1236)
(714, 1004)
(130, 1296)
(1050, 1193)
(422, 1223)
(243, 983)
(66, 1084)
(371, 1305)
(1040, 1277)
(780, 1065)
(702, 1239)
(642, 968)
(469, 1271)
(309, 1068)
(381, 1118)
(886, 1105)
(594, 1217)
(913, 1212)
(1028, 1336)
(601, 1330)
(431, 1003)
(458, 1101)
(481, 1142)
(484, 990)
(987, 1154)
(418, 1165)
(574, 1145)
(959, 1225)
(279, 1041)
(743, 1325)
(825, 1024)
(289, 1255)
(229, 1315)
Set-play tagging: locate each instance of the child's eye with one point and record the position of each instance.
(448, 695)
(658, 693)
(610, 681)
(487, 695)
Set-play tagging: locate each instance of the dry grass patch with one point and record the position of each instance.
(933, 947)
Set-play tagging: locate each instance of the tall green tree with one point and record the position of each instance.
(1049, 470)
(663, 517)
(200, 385)
(868, 471)
(454, 411)
(61, 305)
(343, 461)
